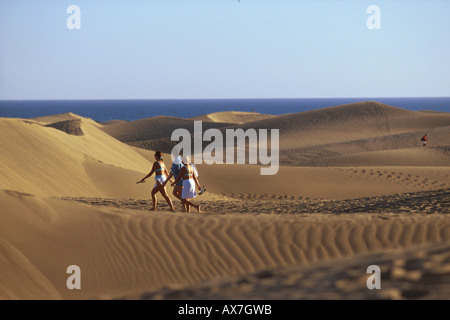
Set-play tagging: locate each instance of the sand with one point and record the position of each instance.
(354, 188)
(235, 117)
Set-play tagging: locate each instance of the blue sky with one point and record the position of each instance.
(167, 49)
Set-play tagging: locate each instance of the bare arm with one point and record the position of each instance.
(149, 175)
(197, 183)
(168, 178)
(182, 171)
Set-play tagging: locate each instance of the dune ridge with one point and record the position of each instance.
(236, 117)
(334, 136)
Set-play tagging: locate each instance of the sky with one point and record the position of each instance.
(217, 49)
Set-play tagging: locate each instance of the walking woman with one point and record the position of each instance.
(160, 171)
(190, 181)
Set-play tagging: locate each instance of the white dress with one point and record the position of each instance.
(189, 191)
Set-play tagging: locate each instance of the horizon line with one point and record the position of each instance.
(176, 99)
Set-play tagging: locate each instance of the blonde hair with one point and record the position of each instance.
(185, 160)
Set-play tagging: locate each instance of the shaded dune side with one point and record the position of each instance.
(125, 251)
(72, 127)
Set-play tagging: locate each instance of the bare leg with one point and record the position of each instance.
(177, 194)
(185, 205)
(166, 197)
(155, 201)
(189, 203)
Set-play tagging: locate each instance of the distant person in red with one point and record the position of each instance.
(424, 140)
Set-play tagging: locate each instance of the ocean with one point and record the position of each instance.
(104, 110)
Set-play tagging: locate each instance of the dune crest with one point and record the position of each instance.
(335, 136)
(236, 117)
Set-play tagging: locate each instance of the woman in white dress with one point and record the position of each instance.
(190, 181)
(160, 171)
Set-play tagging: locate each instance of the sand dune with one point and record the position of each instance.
(320, 182)
(64, 117)
(112, 122)
(404, 157)
(402, 149)
(319, 137)
(325, 137)
(351, 122)
(121, 252)
(236, 117)
(57, 118)
(153, 128)
(364, 187)
(46, 161)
